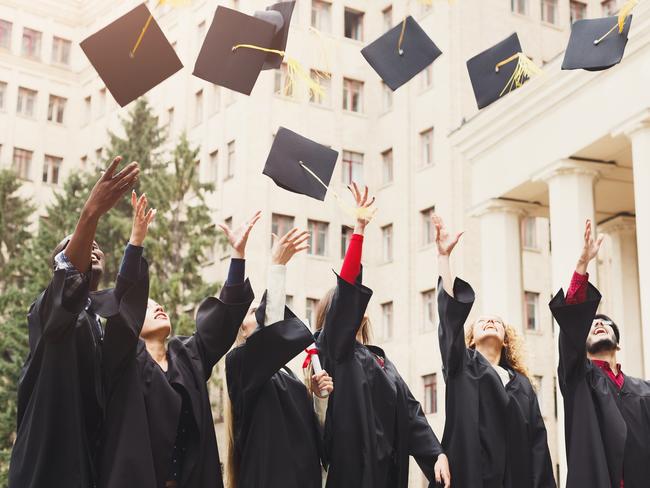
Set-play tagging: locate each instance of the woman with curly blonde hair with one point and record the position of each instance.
(494, 432)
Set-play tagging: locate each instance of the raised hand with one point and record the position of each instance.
(322, 382)
(589, 250)
(364, 210)
(442, 472)
(142, 218)
(239, 236)
(444, 241)
(290, 244)
(110, 188)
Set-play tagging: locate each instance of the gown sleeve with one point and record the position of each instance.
(542, 466)
(276, 297)
(452, 314)
(574, 321)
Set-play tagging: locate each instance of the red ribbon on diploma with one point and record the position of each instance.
(310, 353)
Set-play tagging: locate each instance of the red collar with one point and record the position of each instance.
(618, 378)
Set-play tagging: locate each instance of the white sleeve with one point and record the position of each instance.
(275, 294)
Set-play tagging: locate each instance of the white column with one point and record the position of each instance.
(639, 135)
(571, 203)
(501, 278)
(622, 303)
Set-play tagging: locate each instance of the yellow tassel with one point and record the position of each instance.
(365, 213)
(295, 71)
(324, 49)
(174, 3)
(624, 12)
(525, 70)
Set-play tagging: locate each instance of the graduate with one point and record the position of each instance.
(274, 435)
(158, 429)
(606, 412)
(59, 391)
(494, 432)
(373, 422)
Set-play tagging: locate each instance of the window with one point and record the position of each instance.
(428, 309)
(31, 43)
(529, 232)
(231, 161)
(531, 300)
(98, 155)
(610, 7)
(352, 164)
(281, 224)
(537, 384)
(426, 77)
(101, 110)
(51, 168)
(386, 331)
(519, 6)
(325, 81)
(61, 50)
(198, 107)
(386, 97)
(426, 147)
(577, 10)
(310, 310)
(23, 163)
(56, 109)
(321, 16)
(430, 382)
(170, 120)
(352, 95)
(283, 85)
(387, 242)
(214, 167)
(84, 162)
(387, 166)
(288, 301)
(387, 18)
(87, 109)
(346, 235)
(428, 229)
(216, 99)
(26, 102)
(5, 34)
(318, 241)
(3, 94)
(549, 11)
(353, 28)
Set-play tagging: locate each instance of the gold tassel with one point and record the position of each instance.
(624, 12)
(173, 3)
(525, 70)
(295, 70)
(426, 3)
(365, 213)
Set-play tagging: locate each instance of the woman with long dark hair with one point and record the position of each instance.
(373, 422)
(494, 431)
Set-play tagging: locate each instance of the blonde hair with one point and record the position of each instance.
(513, 350)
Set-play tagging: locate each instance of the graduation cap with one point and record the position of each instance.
(300, 165)
(279, 15)
(128, 76)
(401, 53)
(499, 70)
(594, 45)
(219, 60)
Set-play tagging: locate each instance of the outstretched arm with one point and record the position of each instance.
(352, 261)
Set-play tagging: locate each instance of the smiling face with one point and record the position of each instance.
(601, 336)
(156, 321)
(488, 327)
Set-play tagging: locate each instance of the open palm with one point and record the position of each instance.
(444, 240)
(239, 237)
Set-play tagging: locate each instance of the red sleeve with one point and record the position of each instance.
(577, 292)
(352, 262)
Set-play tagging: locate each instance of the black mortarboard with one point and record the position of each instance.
(594, 46)
(128, 74)
(239, 68)
(487, 81)
(279, 15)
(397, 62)
(284, 167)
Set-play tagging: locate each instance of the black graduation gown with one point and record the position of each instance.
(494, 436)
(60, 395)
(373, 422)
(142, 408)
(276, 433)
(607, 431)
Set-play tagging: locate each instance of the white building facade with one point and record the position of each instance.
(520, 177)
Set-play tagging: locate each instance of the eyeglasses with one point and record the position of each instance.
(483, 322)
(603, 322)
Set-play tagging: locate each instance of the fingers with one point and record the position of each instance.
(289, 235)
(299, 238)
(133, 199)
(588, 230)
(257, 216)
(151, 214)
(365, 196)
(369, 204)
(458, 238)
(141, 205)
(108, 174)
(354, 192)
(599, 241)
(438, 473)
(447, 479)
(224, 228)
(126, 172)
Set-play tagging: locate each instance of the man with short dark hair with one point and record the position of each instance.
(606, 413)
(60, 389)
